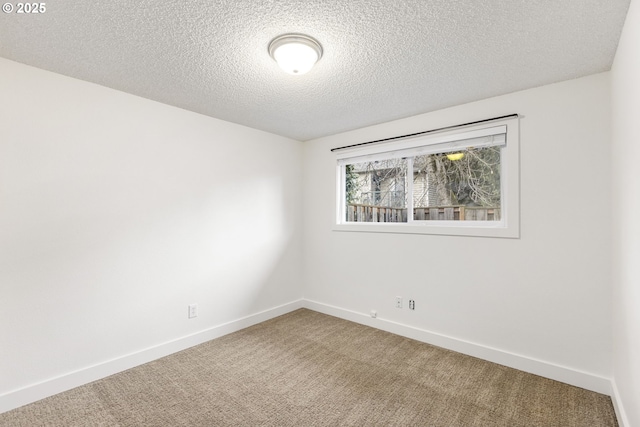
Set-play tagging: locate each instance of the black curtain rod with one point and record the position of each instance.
(424, 132)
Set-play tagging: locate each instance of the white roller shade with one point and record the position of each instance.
(415, 146)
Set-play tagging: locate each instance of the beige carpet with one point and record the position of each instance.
(310, 369)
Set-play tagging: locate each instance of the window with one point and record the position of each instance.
(462, 182)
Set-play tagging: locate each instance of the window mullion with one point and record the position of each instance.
(409, 187)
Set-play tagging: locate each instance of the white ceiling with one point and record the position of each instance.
(382, 60)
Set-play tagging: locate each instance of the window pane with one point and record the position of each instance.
(457, 186)
(376, 191)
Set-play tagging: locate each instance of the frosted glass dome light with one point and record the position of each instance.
(295, 53)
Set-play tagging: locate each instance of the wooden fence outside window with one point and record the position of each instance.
(369, 213)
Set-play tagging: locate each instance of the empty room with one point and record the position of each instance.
(320, 213)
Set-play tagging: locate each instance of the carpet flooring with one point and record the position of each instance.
(310, 369)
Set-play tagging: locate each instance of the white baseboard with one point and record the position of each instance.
(544, 369)
(623, 421)
(34, 392)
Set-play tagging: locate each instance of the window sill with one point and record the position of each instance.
(443, 228)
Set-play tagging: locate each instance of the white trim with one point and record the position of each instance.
(340, 194)
(16, 398)
(621, 415)
(527, 364)
(443, 228)
(34, 392)
(507, 227)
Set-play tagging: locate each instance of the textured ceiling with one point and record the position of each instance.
(382, 60)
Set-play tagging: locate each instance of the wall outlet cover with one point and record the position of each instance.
(193, 311)
(398, 302)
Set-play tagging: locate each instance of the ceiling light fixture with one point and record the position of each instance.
(295, 53)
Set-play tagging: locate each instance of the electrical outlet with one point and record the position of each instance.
(193, 311)
(398, 302)
(412, 304)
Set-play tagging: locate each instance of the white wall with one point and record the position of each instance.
(541, 302)
(117, 212)
(625, 76)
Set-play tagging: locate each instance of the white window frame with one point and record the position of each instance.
(477, 135)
